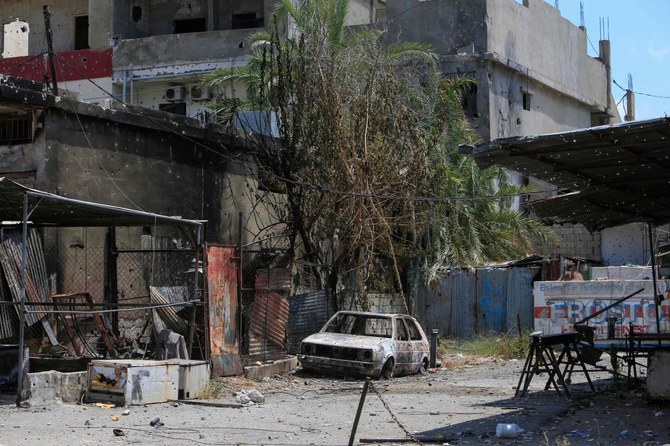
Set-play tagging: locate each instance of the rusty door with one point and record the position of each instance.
(222, 310)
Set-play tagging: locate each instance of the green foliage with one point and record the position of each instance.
(493, 345)
(367, 157)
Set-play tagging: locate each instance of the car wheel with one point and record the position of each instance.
(423, 368)
(387, 370)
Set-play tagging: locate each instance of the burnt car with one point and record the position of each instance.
(368, 344)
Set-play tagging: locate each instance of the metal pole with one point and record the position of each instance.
(194, 308)
(50, 47)
(22, 311)
(358, 412)
(240, 279)
(657, 301)
(433, 347)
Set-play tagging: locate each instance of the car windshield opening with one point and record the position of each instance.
(362, 325)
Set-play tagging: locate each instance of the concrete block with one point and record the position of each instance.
(72, 386)
(43, 387)
(658, 385)
(52, 386)
(276, 368)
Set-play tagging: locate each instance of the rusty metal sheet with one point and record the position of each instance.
(37, 285)
(275, 279)
(269, 317)
(8, 315)
(307, 314)
(222, 310)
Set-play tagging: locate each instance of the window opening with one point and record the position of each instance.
(526, 101)
(15, 130)
(81, 32)
(137, 13)
(246, 20)
(414, 334)
(401, 330)
(178, 108)
(190, 25)
(469, 101)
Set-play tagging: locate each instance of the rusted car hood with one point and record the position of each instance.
(347, 340)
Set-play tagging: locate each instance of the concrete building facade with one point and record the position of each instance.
(533, 74)
(531, 65)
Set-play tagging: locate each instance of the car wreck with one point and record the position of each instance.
(367, 344)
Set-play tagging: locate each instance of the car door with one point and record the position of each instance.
(417, 343)
(403, 348)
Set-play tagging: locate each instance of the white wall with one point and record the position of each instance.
(625, 245)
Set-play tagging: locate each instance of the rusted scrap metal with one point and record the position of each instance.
(37, 288)
(164, 296)
(208, 404)
(7, 324)
(222, 301)
(37, 285)
(99, 319)
(269, 317)
(273, 279)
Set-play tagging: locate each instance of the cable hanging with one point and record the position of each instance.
(316, 187)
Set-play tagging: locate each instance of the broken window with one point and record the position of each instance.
(247, 20)
(178, 108)
(469, 101)
(137, 13)
(81, 32)
(15, 130)
(190, 25)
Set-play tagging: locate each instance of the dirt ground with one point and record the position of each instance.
(460, 403)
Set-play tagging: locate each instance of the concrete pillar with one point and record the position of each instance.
(100, 15)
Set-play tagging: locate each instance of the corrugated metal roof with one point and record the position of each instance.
(614, 174)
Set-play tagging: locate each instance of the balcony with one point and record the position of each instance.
(181, 49)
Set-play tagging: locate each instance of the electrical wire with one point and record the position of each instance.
(640, 93)
(302, 183)
(113, 310)
(13, 67)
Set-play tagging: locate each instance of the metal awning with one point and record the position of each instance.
(608, 175)
(46, 209)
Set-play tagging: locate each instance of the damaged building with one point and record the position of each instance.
(130, 127)
(144, 161)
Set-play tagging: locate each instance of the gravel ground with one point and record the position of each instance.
(458, 404)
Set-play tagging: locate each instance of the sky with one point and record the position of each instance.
(639, 31)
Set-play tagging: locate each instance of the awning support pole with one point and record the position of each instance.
(196, 295)
(22, 310)
(657, 301)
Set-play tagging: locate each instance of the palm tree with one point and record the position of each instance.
(367, 157)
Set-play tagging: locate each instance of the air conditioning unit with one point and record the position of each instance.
(199, 93)
(174, 94)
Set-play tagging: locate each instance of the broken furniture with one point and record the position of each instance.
(642, 345)
(542, 359)
(60, 301)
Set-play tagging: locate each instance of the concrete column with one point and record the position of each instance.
(100, 14)
(210, 15)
